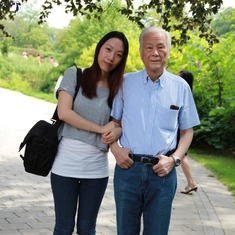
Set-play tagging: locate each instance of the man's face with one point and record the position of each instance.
(154, 52)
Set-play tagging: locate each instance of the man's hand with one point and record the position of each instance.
(121, 156)
(164, 166)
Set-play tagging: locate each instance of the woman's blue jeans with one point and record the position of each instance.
(140, 192)
(81, 196)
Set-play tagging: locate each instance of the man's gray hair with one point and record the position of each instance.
(155, 29)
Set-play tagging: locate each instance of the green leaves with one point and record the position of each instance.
(195, 14)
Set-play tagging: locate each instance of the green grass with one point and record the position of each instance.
(221, 164)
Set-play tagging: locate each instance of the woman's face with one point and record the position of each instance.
(110, 55)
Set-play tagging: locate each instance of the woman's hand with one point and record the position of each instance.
(111, 136)
(110, 126)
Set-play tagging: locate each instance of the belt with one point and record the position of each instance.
(144, 158)
(148, 159)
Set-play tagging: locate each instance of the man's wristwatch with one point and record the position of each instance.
(176, 159)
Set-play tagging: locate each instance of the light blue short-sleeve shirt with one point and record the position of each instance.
(151, 112)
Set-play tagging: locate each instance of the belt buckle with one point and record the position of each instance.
(145, 160)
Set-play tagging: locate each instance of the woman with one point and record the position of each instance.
(80, 172)
(191, 185)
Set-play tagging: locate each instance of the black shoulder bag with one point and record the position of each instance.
(41, 142)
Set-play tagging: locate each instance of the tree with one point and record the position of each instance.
(224, 22)
(83, 32)
(26, 31)
(213, 89)
(5, 46)
(190, 14)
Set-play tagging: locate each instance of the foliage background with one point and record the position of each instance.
(214, 70)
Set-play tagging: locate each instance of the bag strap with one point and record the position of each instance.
(55, 119)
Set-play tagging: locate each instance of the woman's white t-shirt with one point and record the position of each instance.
(80, 160)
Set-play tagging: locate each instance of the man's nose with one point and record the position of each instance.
(155, 52)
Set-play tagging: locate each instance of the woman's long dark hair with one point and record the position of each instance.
(91, 75)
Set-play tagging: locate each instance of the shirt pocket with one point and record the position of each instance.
(168, 118)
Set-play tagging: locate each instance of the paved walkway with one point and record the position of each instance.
(26, 205)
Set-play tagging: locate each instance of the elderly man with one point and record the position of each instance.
(151, 105)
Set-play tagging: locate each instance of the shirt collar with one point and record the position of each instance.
(145, 77)
(161, 79)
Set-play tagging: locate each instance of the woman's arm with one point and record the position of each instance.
(66, 114)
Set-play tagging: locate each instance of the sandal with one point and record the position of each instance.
(189, 189)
